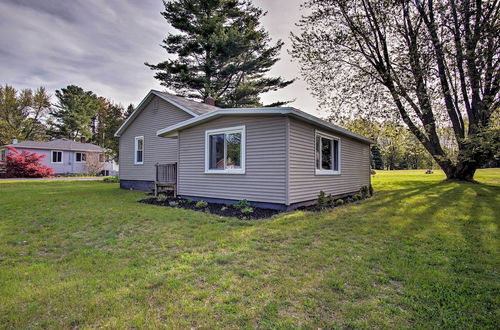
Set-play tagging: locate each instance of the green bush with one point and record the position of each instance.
(323, 200)
(371, 190)
(111, 179)
(364, 191)
(201, 204)
(161, 198)
(242, 204)
(339, 202)
(247, 210)
(357, 197)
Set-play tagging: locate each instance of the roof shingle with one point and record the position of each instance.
(199, 108)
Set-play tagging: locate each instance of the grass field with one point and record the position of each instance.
(421, 253)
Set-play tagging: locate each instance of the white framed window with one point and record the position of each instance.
(139, 150)
(56, 157)
(327, 154)
(3, 155)
(80, 157)
(225, 150)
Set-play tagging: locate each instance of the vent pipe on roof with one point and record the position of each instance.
(209, 101)
(14, 141)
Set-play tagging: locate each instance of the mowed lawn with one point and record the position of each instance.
(421, 253)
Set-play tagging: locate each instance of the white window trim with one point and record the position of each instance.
(82, 161)
(136, 139)
(52, 157)
(229, 130)
(332, 171)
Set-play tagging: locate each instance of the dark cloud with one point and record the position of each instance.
(102, 46)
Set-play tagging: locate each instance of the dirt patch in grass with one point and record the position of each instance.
(224, 210)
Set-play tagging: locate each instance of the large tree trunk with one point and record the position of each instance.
(463, 171)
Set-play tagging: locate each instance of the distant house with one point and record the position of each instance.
(67, 156)
(277, 157)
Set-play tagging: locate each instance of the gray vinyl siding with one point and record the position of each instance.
(265, 174)
(304, 184)
(156, 149)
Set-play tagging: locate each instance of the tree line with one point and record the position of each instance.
(425, 73)
(77, 115)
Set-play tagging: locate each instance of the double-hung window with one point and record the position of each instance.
(80, 157)
(327, 154)
(56, 157)
(225, 150)
(139, 150)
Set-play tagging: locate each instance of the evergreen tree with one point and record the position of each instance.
(74, 114)
(377, 162)
(221, 52)
(129, 110)
(109, 118)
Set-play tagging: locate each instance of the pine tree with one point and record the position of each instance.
(109, 118)
(221, 52)
(74, 114)
(377, 162)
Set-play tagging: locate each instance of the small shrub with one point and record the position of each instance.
(323, 200)
(173, 203)
(339, 202)
(364, 191)
(201, 204)
(161, 198)
(242, 204)
(224, 208)
(370, 190)
(247, 210)
(111, 179)
(357, 197)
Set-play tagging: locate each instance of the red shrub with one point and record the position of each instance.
(26, 164)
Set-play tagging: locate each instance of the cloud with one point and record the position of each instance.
(102, 46)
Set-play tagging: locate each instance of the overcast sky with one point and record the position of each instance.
(102, 46)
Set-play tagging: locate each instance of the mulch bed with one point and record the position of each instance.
(213, 208)
(226, 210)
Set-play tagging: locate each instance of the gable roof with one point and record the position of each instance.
(191, 107)
(59, 144)
(301, 115)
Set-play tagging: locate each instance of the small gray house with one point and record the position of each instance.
(66, 156)
(273, 157)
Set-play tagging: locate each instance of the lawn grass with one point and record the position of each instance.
(421, 253)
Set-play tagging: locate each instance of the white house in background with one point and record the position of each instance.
(66, 156)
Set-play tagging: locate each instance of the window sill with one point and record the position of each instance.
(320, 172)
(138, 163)
(224, 171)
